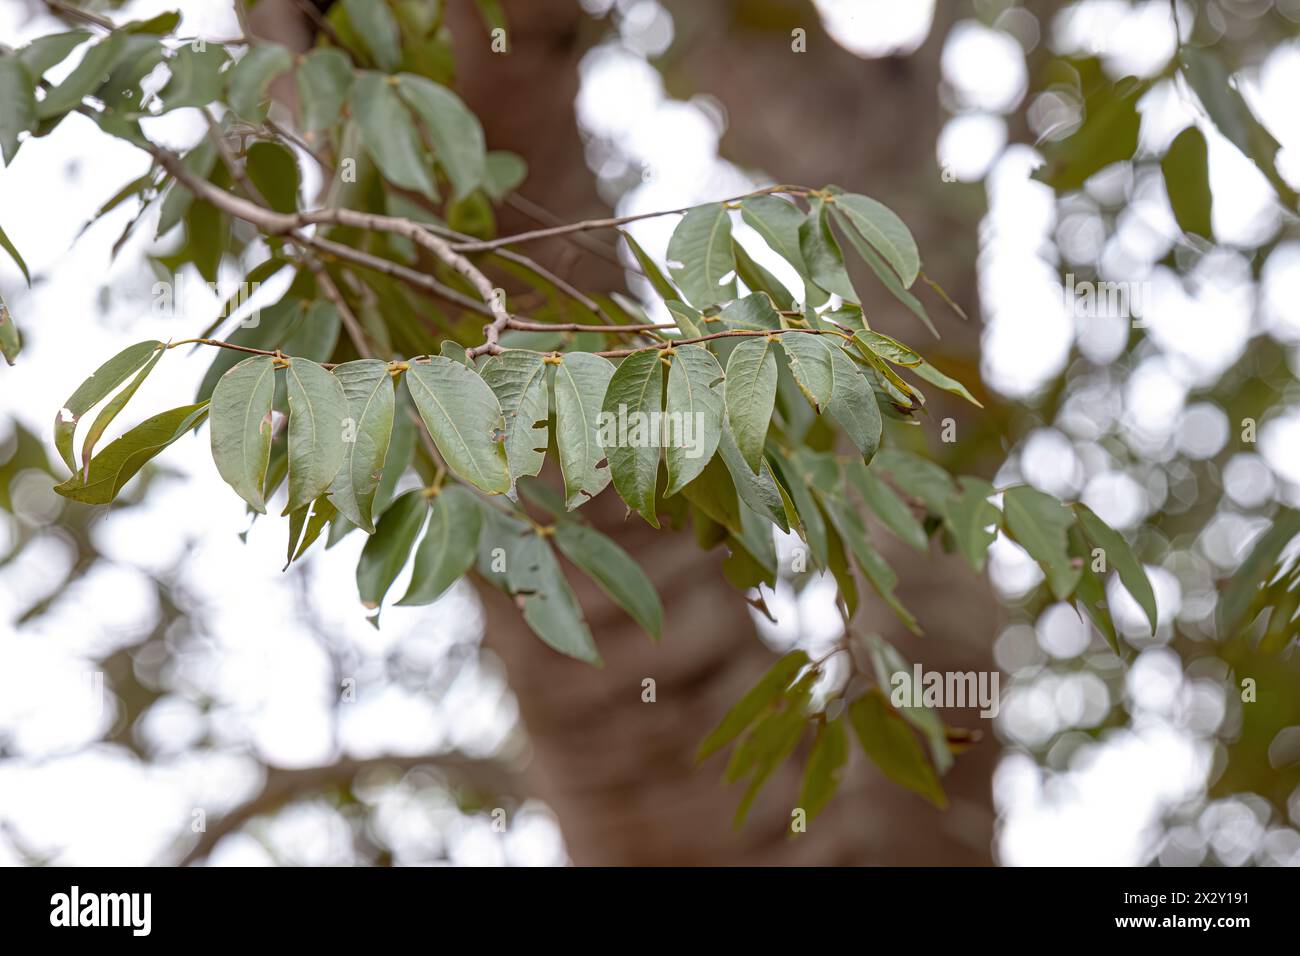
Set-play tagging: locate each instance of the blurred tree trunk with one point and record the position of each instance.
(618, 772)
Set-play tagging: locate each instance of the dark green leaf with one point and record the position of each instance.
(1186, 167)
(386, 551)
(1038, 522)
(518, 379)
(17, 105)
(761, 696)
(1121, 557)
(465, 420)
(378, 30)
(95, 389)
(892, 746)
(368, 388)
(122, 459)
(581, 380)
(241, 427)
(632, 403)
(614, 571)
(695, 397)
(449, 547)
(750, 396)
(830, 751)
(973, 520)
(196, 76)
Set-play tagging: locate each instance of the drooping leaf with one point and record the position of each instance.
(759, 489)
(241, 427)
(368, 389)
(324, 78)
(449, 546)
(630, 410)
(273, 169)
(1186, 168)
(322, 513)
(830, 752)
(753, 312)
(47, 51)
(122, 459)
(695, 396)
(887, 506)
(176, 202)
(465, 420)
(113, 408)
(318, 421)
(455, 132)
(973, 520)
(658, 281)
(534, 577)
(1091, 591)
(250, 78)
(85, 78)
(378, 29)
(1121, 557)
(853, 405)
(11, 341)
(778, 222)
(822, 253)
(387, 550)
(581, 380)
(95, 389)
(918, 477)
(812, 365)
(1038, 522)
(761, 696)
(888, 278)
(750, 396)
(390, 134)
(614, 571)
(883, 579)
(196, 76)
(1256, 570)
(17, 104)
(701, 248)
(881, 227)
(503, 172)
(758, 279)
(518, 378)
(890, 667)
(893, 748)
(1108, 134)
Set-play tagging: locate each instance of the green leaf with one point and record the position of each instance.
(761, 696)
(449, 546)
(830, 752)
(95, 389)
(1039, 523)
(889, 349)
(122, 459)
(889, 665)
(632, 401)
(1121, 557)
(47, 51)
(318, 417)
(653, 273)
(85, 78)
(11, 342)
(324, 78)
(778, 222)
(534, 577)
(881, 576)
(196, 77)
(881, 227)
(918, 477)
(759, 489)
(888, 278)
(810, 516)
(614, 571)
(465, 420)
(386, 551)
(1186, 167)
(241, 427)
(518, 379)
(581, 380)
(389, 133)
(888, 507)
(812, 365)
(368, 388)
(929, 373)
(893, 748)
(121, 92)
(199, 161)
(503, 171)
(1256, 570)
(1108, 134)
(249, 79)
(695, 395)
(274, 171)
(701, 247)
(378, 30)
(1091, 592)
(853, 405)
(455, 132)
(753, 312)
(17, 105)
(112, 409)
(322, 513)
(758, 279)
(822, 254)
(973, 520)
(750, 396)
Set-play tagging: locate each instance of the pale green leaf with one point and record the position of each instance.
(455, 132)
(95, 389)
(614, 571)
(893, 748)
(378, 29)
(581, 380)
(518, 379)
(196, 76)
(241, 427)
(324, 78)
(881, 227)
(1121, 557)
(973, 520)
(812, 365)
(449, 546)
(549, 607)
(632, 401)
(390, 134)
(887, 505)
(17, 104)
(751, 396)
(464, 418)
(318, 420)
(1038, 522)
(113, 408)
(701, 248)
(387, 550)
(368, 388)
(695, 402)
(853, 405)
(250, 78)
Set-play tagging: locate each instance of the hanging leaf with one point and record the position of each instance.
(918, 477)
(9, 247)
(17, 104)
(11, 342)
(113, 408)
(1039, 523)
(893, 748)
(778, 222)
(118, 463)
(853, 405)
(753, 312)
(241, 427)
(464, 418)
(318, 420)
(1091, 592)
(701, 248)
(322, 513)
(892, 511)
(250, 78)
(822, 253)
(751, 396)
(324, 79)
(273, 169)
(581, 380)
(449, 546)
(874, 567)
(534, 577)
(1121, 557)
(614, 571)
(881, 227)
(695, 395)
(758, 279)
(750, 707)
(95, 389)
(1256, 570)
(658, 281)
(368, 389)
(85, 78)
(196, 76)
(1186, 168)
(518, 379)
(378, 30)
(759, 489)
(386, 551)
(888, 278)
(812, 365)
(829, 754)
(503, 172)
(630, 412)
(1108, 134)
(455, 132)
(389, 133)
(47, 51)
(176, 203)
(973, 520)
